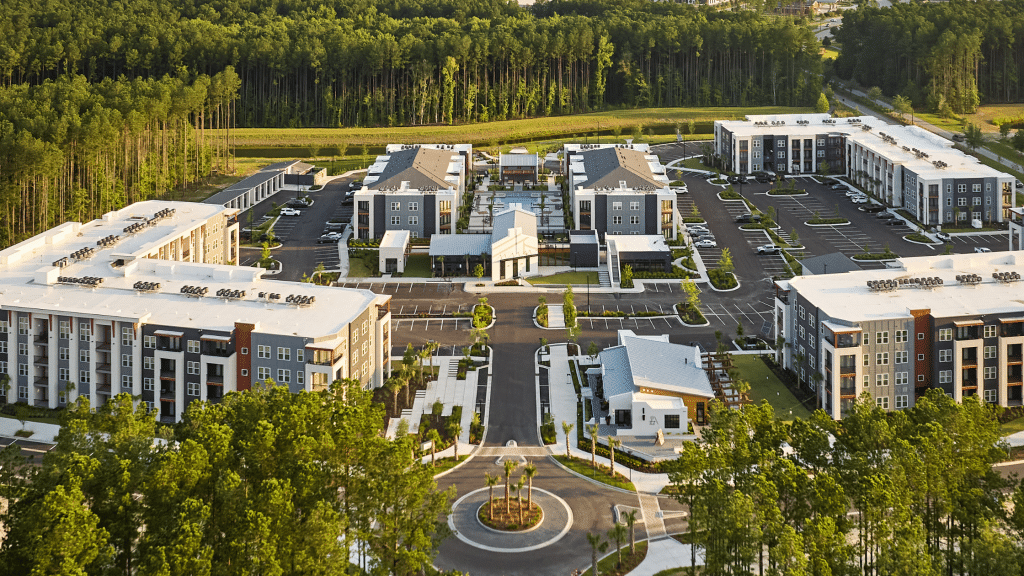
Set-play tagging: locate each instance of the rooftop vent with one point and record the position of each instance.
(194, 291)
(89, 281)
(1006, 277)
(84, 253)
(146, 286)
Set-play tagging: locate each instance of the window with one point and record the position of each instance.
(634, 205)
(882, 402)
(945, 376)
(126, 360)
(126, 382)
(976, 188)
(300, 355)
(284, 376)
(262, 351)
(193, 346)
(414, 220)
(149, 341)
(192, 367)
(810, 361)
(991, 397)
(990, 352)
(284, 353)
(780, 143)
(23, 392)
(961, 188)
(245, 372)
(396, 220)
(634, 219)
(300, 377)
(867, 359)
(821, 142)
(127, 336)
(945, 355)
(802, 333)
(976, 201)
(3, 347)
(193, 388)
(945, 334)
(414, 206)
(881, 379)
(4, 326)
(780, 154)
(920, 377)
(882, 337)
(901, 335)
(147, 384)
(902, 378)
(65, 329)
(902, 401)
(867, 381)
(990, 331)
(802, 313)
(262, 372)
(83, 377)
(920, 357)
(396, 206)
(901, 357)
(990, 372)
(23, 325)
(84, 332)
(147, 363)
(63, 375)
(149, 405)
(83, 355)
(949, 215)
(821, 153)
(949, 202)
(616, 219)
(616, 205)
(62, 398)
(882, 358)
(671, 420)
(23, 349)
(757, 143)
(245, 351)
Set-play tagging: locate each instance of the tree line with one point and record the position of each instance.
(954, 54)
(910, 492)
(411, 62)
(265, 482)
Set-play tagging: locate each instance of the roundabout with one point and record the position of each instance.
(467, 527)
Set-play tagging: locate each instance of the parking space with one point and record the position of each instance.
(753, 314)
(327, 254)
(803, 207)
(430, 324)
(285, 226)
(967, 243)
(638, 325)
(406, 289)
(662, 287)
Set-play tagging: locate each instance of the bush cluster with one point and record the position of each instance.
(722, 280)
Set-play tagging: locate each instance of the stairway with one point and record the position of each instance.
(603, 278)
(453, 368)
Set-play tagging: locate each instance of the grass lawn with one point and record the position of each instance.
(417, 266)
(1011, 427)
(563, 278)
(695, 164)
(829, 54)
(358, 269)
(764, 385)
(445, 464)
(583, 468)
(34, 419)
(607, 564)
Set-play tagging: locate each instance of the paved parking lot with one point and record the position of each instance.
(405, 289)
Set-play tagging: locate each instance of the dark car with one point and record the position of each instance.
(885, 216)
(894, 222)
(872, 208)
(736, 179)
(747, 218)
(764, 177)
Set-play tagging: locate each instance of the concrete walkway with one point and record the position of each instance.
(40, 432)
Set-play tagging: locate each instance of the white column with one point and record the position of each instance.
(52, 354)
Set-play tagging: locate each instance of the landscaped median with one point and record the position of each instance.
(819, 221)
(691, 316)
(920, 239)
(876, 256)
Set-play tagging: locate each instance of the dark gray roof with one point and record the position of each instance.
(833, 263)
(249, 182)
(608, 167)
(422, 168)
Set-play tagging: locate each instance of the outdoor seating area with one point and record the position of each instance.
(546, 205)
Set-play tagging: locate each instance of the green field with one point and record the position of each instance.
(563, 278)
(417, 266)
(1011, 427)
(764, 385)
(582, 467)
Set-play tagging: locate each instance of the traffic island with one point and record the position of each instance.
(514, 516)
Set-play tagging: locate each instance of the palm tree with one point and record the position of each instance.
(393, 385)
(593, 428)
(596, 544)
(422, 355)
(566, 427)
(492, 481)
(529, 472)
(434, 438)
(631, 522)
(510, 467)
(613, 442)
(519, 497)
(455, 430)
(618, 533)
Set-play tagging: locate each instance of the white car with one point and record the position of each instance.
(852, 193)
(860, 200)
(705, 243)
(290, 212)
(982, 250)
(943, 236)
(697, 230)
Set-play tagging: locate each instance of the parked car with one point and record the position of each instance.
(334, 227)
(886, 216)
(330, 238)
(346, 201)
(958, 138)
(298, 203)
(852, 193)
(696, 229)
(872, 208)
(894, 222)
(290, 212)
(768, 249)
(705, 243)
(736, 179)
(747, 218)
(764, 177)
(355, 185)
(943, 236)
(860, 200)
(982, 250)
(1019, 184)
(839, 186)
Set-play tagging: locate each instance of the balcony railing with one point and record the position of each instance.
(969, 384)
(168, 374)
(41, 339)
(42, 381)
(847, 392)
(167, 394)
(215, 378)
(104, 345)
(1015, 359)
(41, 360)
(105, 368)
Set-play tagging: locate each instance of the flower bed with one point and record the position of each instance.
(887, 255)
(919, 238)
(786, 192)
(516, 519)
(730, 195)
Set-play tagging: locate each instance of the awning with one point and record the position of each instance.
(169, 333)
(968, 322)
(216, 338)
(1010, 320)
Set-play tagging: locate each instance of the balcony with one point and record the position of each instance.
(969, 384)
(1014, 359)
(102, 388)
(103, 368)
(847, 392)
(41, 381)
(41, 339)
(967, 333)
(41, 360)
(168, 374)
(847, 341)
(847, 369)
(167, 394)
(215, 378)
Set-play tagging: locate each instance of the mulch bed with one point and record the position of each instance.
(510, 522)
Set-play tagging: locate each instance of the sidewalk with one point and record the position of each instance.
(664, 554)
(40, 432)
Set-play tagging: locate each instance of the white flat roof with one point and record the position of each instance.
(395, 239)
(846, 296)
(638, 242)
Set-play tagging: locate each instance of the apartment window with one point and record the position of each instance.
(126, 360)
(757, 143)
(976, 201)
(867, 359)
(902, 378)
(616, 205)
(671, 420)
(976, 188)
(634, 219)
(126, 382)
(945, 355)
(364, 327)
(821, 153)
(83, 355)
(149, 341)
(780, 154)
(882, 337)
(945, 334)
(65, 329)
(284, 353)
(300, 355)
(22, 325)
(882, 358)
(945, 376)
(901, 335)
(396, 220)
(949, 202)
(634, 205)
(920, 335)
(414, 206)
(920, 377)
(262, 351)
(262, 372)
(414, 220)
(920, 357)
(148, 362)
(4, 326)
(62, 398)
(902, 401)
(810, 361)
(23, 349)
(245, 351)
(866, 381)
(949, 215)
(616, 219)
(802, 313)
(990, 372)
(127, 336)
(192, 367)
(149, 405)
(901, 357)
(780, 143)
(84, 332)
(881, 379)
(3, 347)
(991, 397)
(300, 377)
(193, 346)
(364, 348)
(961, 188)
(23, 392)
(147, 384)
(193, 388)
(882, 402)
(284, 376)
(990, 331)
(396, 206)
(84, 377)
(63, 375)
(961, 201)
(990, 351)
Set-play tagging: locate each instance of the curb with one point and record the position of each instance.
(736, 287)
(905, 239)
(588, 478)
(809, 225)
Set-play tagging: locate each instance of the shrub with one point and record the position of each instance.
(729, 195)
(820, 220)
(722, 280)
(690, 315)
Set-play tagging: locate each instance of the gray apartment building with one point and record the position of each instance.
(414, 187)
(619, 189)
(139, 302)
(950, 322)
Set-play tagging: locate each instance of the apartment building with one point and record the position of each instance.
(143, 301)
(904, 166)
(619, 189)
(952, 322)
(414, 187)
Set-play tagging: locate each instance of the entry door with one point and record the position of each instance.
(390, 265)
(502, 276)
(515, 268)
(700, 413)
(624, 418)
